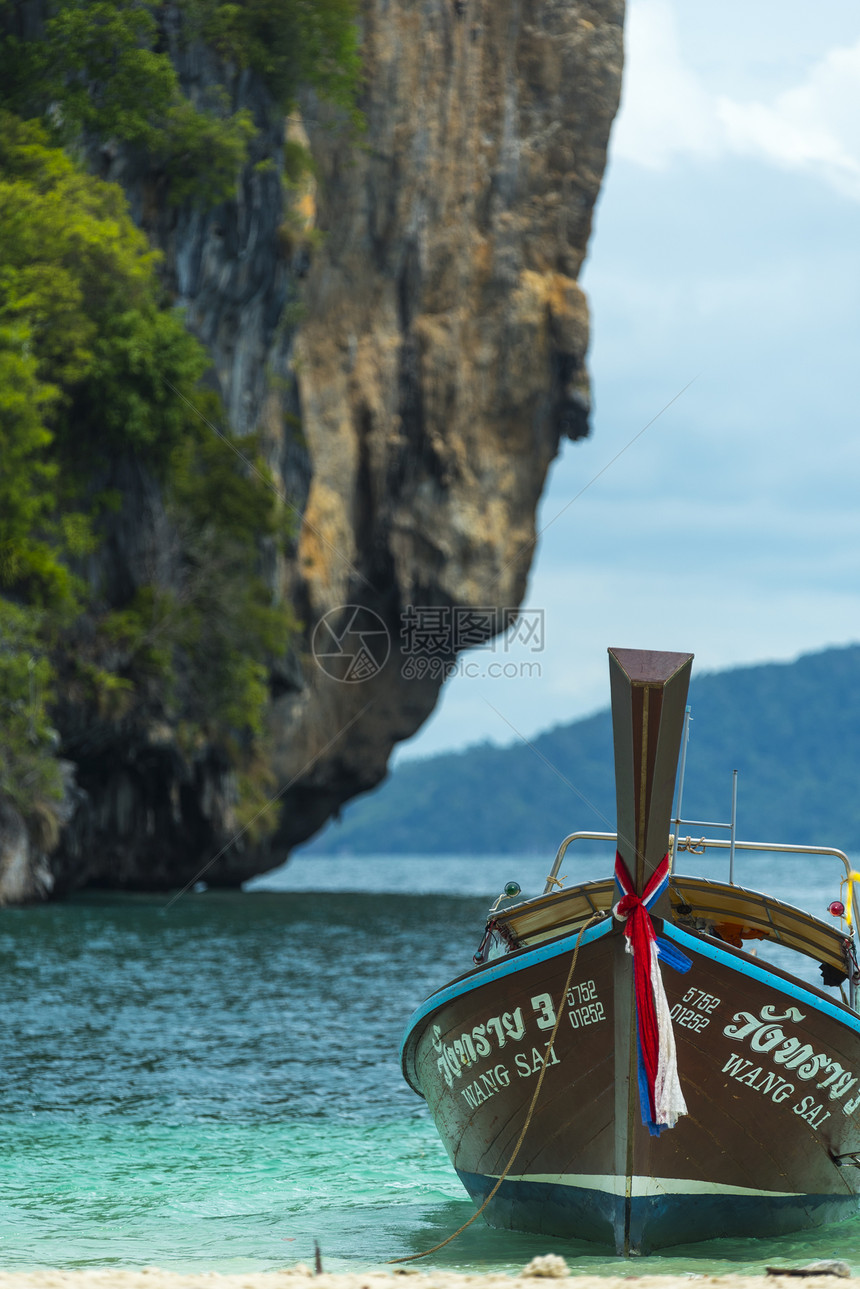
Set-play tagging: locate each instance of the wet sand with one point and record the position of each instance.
(301, 1277)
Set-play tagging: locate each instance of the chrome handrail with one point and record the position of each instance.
(732, 845)
(716, 842)
(552, 881)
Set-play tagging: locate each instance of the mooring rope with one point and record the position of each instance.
(412, 1257)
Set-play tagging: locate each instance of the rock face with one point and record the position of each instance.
(442, 358)
(436, 363)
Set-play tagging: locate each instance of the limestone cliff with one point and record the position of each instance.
(413, 363)
(442, 358)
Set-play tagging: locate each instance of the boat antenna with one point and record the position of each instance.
(734, 827)
(685, 737)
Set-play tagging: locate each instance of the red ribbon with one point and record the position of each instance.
(640, 935)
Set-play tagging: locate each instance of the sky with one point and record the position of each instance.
(725, 253)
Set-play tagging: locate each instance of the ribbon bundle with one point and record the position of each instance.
(660, 1097)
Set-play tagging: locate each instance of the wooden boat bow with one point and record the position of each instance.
(768, 1064)
(649, 694)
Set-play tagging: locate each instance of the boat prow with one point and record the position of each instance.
(688, 1089)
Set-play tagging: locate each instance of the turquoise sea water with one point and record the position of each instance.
(215, 1084)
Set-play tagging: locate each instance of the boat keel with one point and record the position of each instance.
(642, 1223)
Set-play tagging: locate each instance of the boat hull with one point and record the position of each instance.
(650, 1222)
(770, 1071)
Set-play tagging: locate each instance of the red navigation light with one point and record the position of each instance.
(837, 908)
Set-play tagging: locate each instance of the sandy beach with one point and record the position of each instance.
(299, 1277)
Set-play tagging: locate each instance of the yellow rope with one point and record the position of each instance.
(849, 899)
(436, 1247)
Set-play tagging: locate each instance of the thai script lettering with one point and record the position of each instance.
(471, 1045)
(766, 1033)
(460, 1052)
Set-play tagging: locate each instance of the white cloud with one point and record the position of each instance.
(812, 127)
(668, 111)
(665, 109)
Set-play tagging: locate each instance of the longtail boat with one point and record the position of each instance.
(686, 1087)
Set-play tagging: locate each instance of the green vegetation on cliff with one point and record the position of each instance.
(288, 43)
(103, 67)
(792, 730)
(100, 382)
(95, 368)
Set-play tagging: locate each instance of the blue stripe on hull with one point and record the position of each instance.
(574, 1213)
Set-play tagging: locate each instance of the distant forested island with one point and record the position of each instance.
(792, 730)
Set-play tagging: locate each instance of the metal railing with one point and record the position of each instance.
(699, 845)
